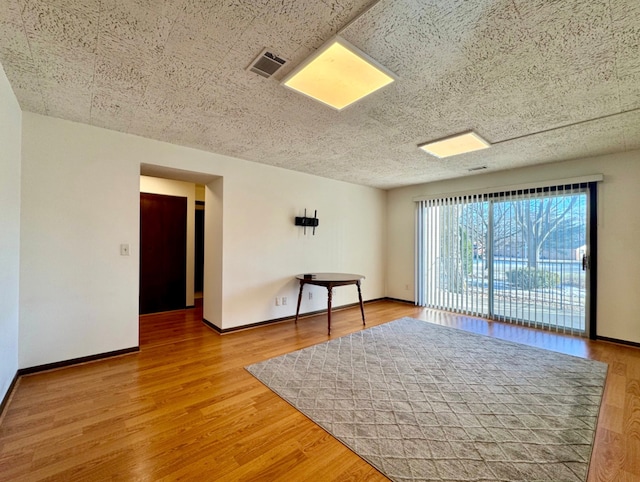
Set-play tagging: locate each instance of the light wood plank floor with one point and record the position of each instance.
(185, 408)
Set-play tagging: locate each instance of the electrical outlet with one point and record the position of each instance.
(277, 301)
(310, 295)
(284, 301)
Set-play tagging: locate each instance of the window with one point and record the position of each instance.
(519, 256)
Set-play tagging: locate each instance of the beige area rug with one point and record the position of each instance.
(423, 402)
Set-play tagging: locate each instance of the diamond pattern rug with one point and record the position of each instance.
(423, 402)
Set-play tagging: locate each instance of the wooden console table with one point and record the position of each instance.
(329, 281)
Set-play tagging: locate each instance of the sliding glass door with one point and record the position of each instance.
(518, 256)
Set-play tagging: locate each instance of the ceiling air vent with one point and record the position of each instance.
(266, 64)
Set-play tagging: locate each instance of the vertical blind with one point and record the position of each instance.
(515, 256)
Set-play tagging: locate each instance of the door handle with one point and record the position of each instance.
(585, 262)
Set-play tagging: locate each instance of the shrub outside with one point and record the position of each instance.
(532, 278)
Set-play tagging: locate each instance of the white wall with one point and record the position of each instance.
(200, 192)
(213, 284)
(81, 201)
(155, 185)
(10, 144)
(263, 249)
(618, 232)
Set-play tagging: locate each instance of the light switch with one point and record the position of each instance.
(124, 250)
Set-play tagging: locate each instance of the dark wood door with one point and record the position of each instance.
(199, 250)
(163, 252)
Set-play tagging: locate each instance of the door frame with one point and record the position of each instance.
(213, 263)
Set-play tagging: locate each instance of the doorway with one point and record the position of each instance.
(198, 272)
(209, 190)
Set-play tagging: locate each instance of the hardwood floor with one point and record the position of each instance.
(185, 408)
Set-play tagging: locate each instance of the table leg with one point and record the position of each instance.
(329, 295)
(361, 305)
(299, 300)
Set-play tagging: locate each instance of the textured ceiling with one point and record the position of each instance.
(544, 80)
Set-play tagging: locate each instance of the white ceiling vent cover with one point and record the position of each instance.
(266, 64)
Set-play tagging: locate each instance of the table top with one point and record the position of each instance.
(331, 277)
